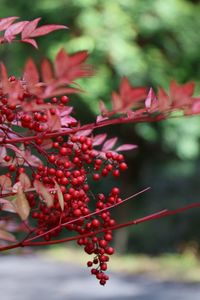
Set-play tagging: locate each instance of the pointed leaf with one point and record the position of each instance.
(47, 72)
(25, 181)
(7, 236)
(102, 108)
(29, 28)
(47, 144)
(31, 75)
(21, 204)
(54, 122)
(6, 22)
(13, 30)
(78, 58)
(60, 196)
(43, 30)
(5, 182)
(83, 132)
(31, 41)
(4, 78)
(43, 192)
(7, 205)
(109, 144)
(126, 147)
(99, 139)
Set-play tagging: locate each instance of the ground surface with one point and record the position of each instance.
(32, 277)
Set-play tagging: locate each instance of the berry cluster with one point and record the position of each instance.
(74, 165)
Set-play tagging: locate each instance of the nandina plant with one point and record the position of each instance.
(49, 159)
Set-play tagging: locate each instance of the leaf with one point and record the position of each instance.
(7, 205)
(45, 29)
(29, 28)
(78, 58)
(163, 100)
(181, 95)
(109, 144)
(102, 107)
(4, 78)
(69, 68)
(126, 147)
(99, 139)
(25, 156)
(6, 22)
(43, 192)
(13, 30)
(31, 75)
(60, 196)
(31, 42)
(100, 119)
(21, 204)
(54, 122)
(5, 182)
(46, 70)
(7, 236)
(83, 132)
(25, 181)
(150, 97)
(47, 144)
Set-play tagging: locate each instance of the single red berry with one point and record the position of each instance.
(123, 166)
(96, 176)
(64, 99)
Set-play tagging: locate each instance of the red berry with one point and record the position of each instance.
(96, 176)
(123, 166)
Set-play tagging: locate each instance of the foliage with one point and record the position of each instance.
(49, 159)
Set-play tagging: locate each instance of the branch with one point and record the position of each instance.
(94, 125)
(157, 215)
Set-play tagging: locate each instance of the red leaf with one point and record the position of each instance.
(126, 147)
(47, 144)
(181, 95)
(4, 78)
(54, 122)
(101, 119)
(70, 67)
(25, 181)
(61, 62)
(83, 132)
(13, 30)
(47, 72)
(5, 182)
(43, 30)
(7, 236)
(31, 41)
(150, 98)
(102, 108)
(109, 144)
(128, 97)
(78, 58)
(99, 139)
(6, 22)
(43, 192)
(163, 99)
(31, 75)
(29, 28)
(60, 196)
(20, 203)
(6, 205)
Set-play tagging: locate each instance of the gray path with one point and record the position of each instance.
(32, 278)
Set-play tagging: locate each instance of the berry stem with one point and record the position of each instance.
(160, 214)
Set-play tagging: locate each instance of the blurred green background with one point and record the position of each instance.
(151, 42)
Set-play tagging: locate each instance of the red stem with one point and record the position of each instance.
(88, 215)
(157, 215)
(104, 123)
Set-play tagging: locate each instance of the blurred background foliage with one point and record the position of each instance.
(151, 42)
